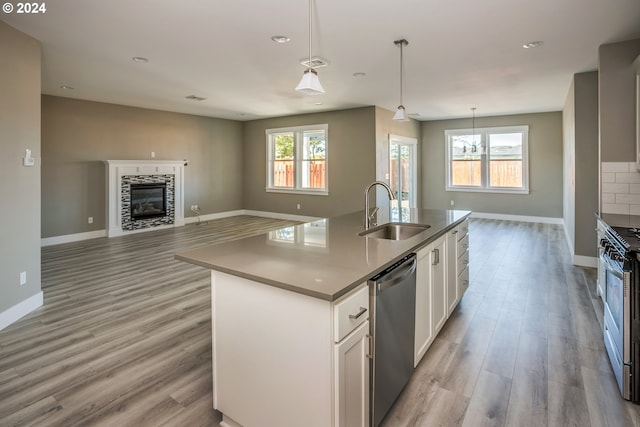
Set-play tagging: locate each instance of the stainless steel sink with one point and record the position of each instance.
(395, 230)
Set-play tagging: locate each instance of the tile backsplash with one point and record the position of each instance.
(620, 185)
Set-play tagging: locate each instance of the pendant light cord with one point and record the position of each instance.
(310, 24)
(401, 70)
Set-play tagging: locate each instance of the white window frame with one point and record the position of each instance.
(298, 132)
(484, 135)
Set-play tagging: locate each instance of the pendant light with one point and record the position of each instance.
(310, 83)
(401, 113)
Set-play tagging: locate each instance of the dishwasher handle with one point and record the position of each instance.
(396, 276)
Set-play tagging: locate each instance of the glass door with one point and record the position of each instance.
(403, 174)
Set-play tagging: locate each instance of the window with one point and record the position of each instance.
(491, 160)
(297, 160)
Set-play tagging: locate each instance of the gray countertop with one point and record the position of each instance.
(323, 259)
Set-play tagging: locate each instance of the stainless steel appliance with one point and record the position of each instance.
(618, 253)
(392, 296)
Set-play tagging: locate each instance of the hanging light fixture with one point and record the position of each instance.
(310, 83)
(401, 113)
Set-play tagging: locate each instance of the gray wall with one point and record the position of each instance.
(580, 129)
(351, 163)
(20, 65)
(545, 168)
(586, 154)
(569, 164)
(77, 136)
(617, 101)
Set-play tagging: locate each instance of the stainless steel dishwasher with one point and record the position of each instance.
(392, 295)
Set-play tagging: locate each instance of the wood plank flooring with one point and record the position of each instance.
(124, 337)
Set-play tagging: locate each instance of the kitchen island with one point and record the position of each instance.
(290, 322)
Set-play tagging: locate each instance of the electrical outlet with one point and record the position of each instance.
(23, 278)
(153, 154)
(90, 220)
(298, 206)
(452, 203)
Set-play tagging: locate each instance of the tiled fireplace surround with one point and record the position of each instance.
(122, 173)
(620, 185)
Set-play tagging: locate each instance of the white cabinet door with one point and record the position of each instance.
(452, 274)
(424, 326)
(352, 379)
(437, 257)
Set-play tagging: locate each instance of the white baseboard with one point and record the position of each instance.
(211, 217)
(585, 261)
(12, 314)
(522, 218)
(278, 215)
(68, 238)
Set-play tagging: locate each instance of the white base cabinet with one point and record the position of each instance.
(442, 277)
(280, 358)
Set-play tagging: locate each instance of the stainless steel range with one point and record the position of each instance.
(619, 251)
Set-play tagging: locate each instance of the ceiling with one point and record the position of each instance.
(461, 53)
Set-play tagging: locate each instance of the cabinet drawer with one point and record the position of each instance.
(463, 262)
(463, 245)
(463, 281)
(463, 229)
(350, 313)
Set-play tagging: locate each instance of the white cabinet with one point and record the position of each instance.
(439, 310)
(431, 312)
(452, 266)
(424, 326)
(352, 359)
(282, 358)
(352, 378)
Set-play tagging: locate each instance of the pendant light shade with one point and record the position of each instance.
(310, 83)
(401, 113)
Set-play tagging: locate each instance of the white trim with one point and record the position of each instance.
(211, 217)
(278, 215)
(523, 218)
(16, 312)
(585, 261)
(572, 250)
(68, 238)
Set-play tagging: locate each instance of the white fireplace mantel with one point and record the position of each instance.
(116, 169)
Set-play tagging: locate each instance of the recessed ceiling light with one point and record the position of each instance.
(280, 39)
(140, 59)
(359, 74)
(195, 98)
(67, 87)
(317, 103)
(531, 45)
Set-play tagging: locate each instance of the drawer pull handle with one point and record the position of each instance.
(465, 262)
(362, 311)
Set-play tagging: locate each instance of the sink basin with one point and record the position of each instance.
(395, 230)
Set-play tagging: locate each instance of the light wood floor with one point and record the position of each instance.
(124, 338)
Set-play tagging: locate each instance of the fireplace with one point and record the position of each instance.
(148, 200)
(144, 195)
